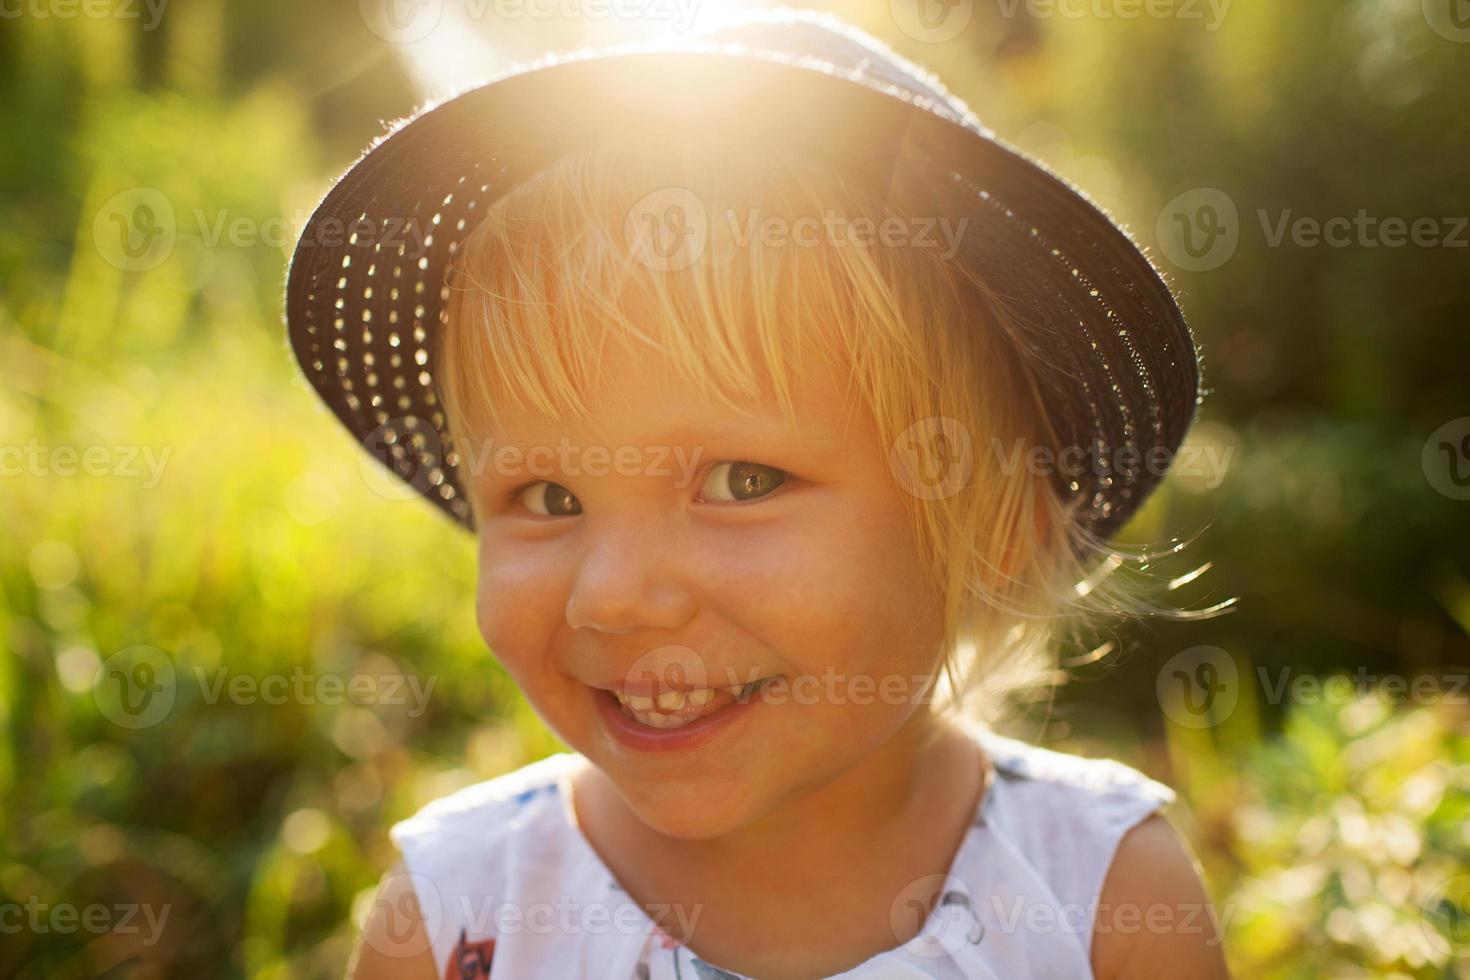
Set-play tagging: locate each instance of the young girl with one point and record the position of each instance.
(754, 363)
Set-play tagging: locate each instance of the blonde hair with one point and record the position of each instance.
(553, 271)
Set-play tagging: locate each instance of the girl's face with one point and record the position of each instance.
(675, 540)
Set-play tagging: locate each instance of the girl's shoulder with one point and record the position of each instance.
(1056, 820)
(1043, 795)
(1032, 769)
(487, 858)
(517, 796)
(466, 832)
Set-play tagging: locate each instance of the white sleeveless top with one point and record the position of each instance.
(510, 888)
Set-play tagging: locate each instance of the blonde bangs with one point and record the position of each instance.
(549, 278)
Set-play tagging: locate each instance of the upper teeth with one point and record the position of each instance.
(675, 700)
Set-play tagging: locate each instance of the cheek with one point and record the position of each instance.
(518, 604)
(840, 587)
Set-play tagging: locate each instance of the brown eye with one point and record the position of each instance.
(736, 482)
(550, 500)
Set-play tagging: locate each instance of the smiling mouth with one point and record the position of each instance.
(675, 709)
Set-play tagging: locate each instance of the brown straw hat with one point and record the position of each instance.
(1114, 357)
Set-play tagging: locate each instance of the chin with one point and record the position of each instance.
(692, 811)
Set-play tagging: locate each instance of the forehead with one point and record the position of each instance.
(641, 399)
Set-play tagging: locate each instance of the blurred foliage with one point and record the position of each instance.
(259, 550)
(1351, 853)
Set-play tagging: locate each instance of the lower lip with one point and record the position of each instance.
(643, 738)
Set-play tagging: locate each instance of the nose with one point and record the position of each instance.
(627, 580)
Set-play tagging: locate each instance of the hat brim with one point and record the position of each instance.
(366, 291)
